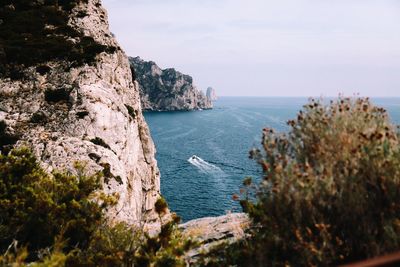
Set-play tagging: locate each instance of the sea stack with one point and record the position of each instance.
(166, 90)
(211, 94)
(66, 92)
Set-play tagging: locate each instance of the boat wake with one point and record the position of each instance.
(206, 167)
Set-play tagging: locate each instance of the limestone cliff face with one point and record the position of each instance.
(166, 90)
(69, 108)
(211, 94)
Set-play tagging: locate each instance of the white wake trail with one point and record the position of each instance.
(206, 167)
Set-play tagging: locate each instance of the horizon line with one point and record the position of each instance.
(303, 96)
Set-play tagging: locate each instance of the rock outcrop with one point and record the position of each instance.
(212, 231)
(166, 90)
(211, 94)
(66, 91)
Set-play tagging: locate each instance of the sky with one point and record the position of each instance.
(268, 47)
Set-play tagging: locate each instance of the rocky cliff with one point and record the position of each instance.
(211, 94)
(66, 91)
(166, 90)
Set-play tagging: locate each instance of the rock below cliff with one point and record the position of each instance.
(66, 91)
(166, 90)
(212, 231)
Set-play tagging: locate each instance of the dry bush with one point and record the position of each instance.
(330, 192)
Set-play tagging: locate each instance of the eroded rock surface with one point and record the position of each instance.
(211, 94)
(166, 90)
(69, 110)
(212, 231)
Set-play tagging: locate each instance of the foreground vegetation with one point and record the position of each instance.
(330, 194)
(59, 220)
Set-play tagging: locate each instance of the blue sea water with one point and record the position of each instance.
(221, 139)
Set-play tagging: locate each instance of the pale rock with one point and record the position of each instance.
(211, 94)
(97, 107)
(212, 231)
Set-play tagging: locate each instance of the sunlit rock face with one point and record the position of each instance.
(166, 90)
(211, 94)
(75, 101)
(213, 231)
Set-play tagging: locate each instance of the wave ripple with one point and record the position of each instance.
(206, 167)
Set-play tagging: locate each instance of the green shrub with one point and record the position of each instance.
(59, 220)
(109, 246)
(161, 206)
(167, 249)
(36, 208)
(123, 245)
(330, 193)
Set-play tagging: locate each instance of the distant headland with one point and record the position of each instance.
(166, 90)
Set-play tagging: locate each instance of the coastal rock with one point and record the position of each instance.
(75, 101)
(211, 94)
(212, 231)
(166, 90)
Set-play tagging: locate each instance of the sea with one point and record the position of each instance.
(203, 156)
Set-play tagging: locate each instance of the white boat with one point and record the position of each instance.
(194, 157)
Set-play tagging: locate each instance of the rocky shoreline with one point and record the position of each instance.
(166, 90)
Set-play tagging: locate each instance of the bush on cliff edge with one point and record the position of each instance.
(36, 207)
(59, 220)
(330, 193)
